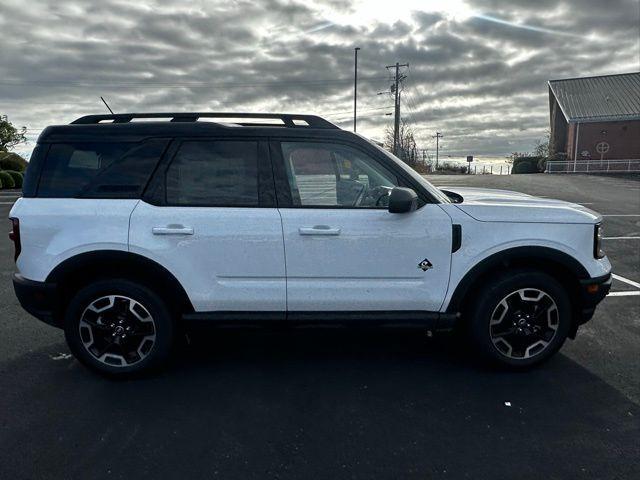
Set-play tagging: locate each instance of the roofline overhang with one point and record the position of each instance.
(604, 119)
(555, 97)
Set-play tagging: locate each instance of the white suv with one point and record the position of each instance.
(128, 229)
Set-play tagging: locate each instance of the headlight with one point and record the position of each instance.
(597, 242)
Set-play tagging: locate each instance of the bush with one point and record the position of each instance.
(17, 177)
(12, 161)
(528, 165)
(7, 180)
(451, 168)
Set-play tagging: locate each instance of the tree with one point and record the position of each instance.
(543, 146)
(515, 155)
(407, 146)
(542, 149)
(10, 136)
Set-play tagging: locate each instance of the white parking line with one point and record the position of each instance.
(7, 203)
(626, 280)
(624, 294)
(621, 238)
(622, 215)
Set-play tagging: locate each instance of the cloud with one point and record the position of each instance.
(478, 73)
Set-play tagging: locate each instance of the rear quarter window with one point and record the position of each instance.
(99, 169)
(30, 182)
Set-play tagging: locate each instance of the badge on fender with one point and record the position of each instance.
(425, 265)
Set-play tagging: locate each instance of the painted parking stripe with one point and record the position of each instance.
(622, 215)
(626, 280)
(624, 294)
(621, 238)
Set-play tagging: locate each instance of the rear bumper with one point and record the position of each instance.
(593, 291)
(37, 298)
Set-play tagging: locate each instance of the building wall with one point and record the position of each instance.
(558, 126)
(623, 139)
(571, 138)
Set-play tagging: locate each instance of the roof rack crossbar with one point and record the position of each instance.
(288, 120)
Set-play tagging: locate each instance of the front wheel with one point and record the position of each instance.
(521, 319)
(118, 328)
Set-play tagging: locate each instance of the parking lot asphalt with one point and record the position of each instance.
(328, 404)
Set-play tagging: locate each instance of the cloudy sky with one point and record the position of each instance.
(478, 68)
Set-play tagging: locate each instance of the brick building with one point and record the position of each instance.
(596, 118)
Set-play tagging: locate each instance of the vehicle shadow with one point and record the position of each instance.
(316, 404)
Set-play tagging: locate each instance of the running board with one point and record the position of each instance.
(382, 319)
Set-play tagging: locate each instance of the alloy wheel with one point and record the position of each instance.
(524, 323)
(117, 330)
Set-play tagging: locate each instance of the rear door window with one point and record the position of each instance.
(220, 173)
(99, 169)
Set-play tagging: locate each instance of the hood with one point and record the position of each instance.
(488, 205)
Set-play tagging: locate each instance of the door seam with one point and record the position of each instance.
(129, 225)
(286, 276)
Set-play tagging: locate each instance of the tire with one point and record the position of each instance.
(119, 328)
(520, 319)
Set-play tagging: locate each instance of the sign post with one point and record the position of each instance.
(469, 160)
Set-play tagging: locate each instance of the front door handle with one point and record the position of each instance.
(172, 230)
(319, 230)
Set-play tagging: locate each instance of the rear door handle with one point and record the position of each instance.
(319, 230)
(172, 230)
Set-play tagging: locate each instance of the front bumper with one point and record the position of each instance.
(37, 298)
(592, 292)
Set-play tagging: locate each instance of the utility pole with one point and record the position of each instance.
(355, 86)
(396, 89)
(437, 136)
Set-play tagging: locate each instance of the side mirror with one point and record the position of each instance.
(402, 200)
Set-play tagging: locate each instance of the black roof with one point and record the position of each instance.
(132, 126)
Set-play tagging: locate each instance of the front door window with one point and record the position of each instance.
(334, 175)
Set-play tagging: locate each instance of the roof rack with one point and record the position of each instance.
(286, 120)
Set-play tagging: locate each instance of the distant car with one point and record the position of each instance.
(129, 228)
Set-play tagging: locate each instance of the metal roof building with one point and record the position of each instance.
(596, 117)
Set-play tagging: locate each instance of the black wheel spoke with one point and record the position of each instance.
(504, 333)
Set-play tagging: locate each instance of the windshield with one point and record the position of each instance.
(435, 192)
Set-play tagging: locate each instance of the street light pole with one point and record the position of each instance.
(355, 87)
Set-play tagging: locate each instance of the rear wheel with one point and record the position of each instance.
(521, 319)
(119, 328)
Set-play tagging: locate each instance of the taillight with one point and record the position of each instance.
(14, 236)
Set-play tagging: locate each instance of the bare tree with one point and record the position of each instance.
(407, 146)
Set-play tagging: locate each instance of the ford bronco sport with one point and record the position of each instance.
(132, 225)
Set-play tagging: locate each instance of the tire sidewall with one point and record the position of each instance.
(490, 296)
(163, 322)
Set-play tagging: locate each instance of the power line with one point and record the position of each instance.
(152, 84)
(359, 110)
